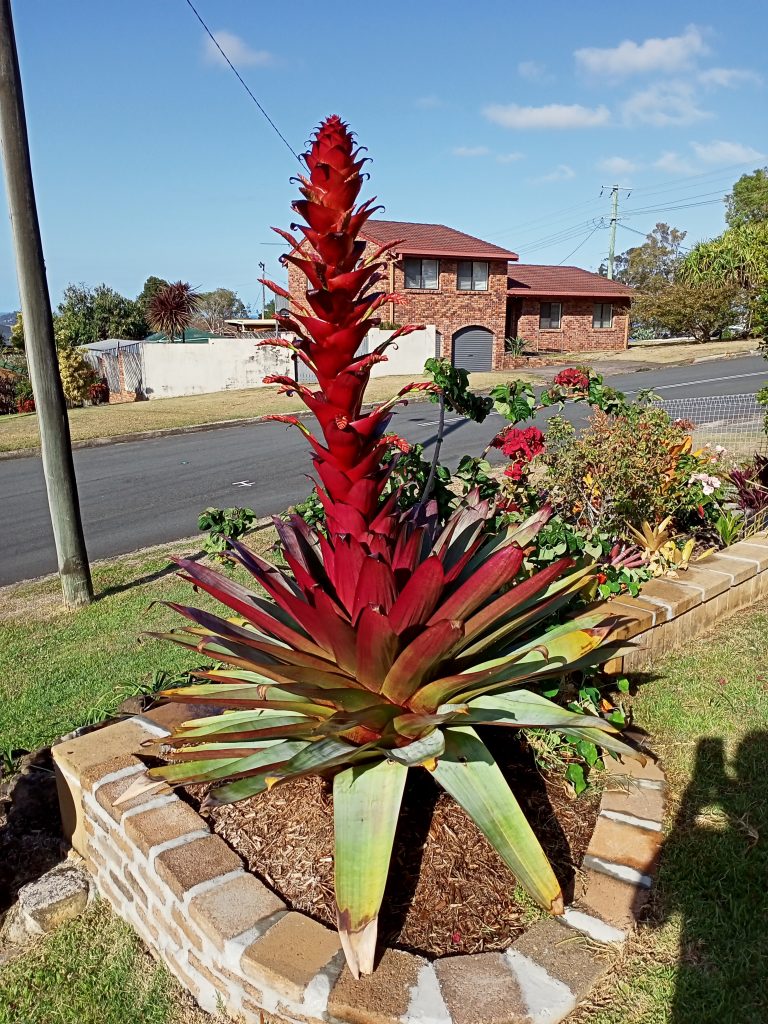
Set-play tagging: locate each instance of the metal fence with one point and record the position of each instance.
(734, 421)
(121, 367)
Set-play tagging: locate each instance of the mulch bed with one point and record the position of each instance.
(448, 890)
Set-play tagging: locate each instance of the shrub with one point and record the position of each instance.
(391, 636)
(622, 469)
(224, 525)
(77, 375)
(98, 392)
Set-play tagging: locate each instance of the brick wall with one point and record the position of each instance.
(576, 333)
(446, 307)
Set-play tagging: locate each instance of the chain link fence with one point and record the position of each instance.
(734, 421)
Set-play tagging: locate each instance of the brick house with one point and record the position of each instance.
(566, 309)
(461, 284)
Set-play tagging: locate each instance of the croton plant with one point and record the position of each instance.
(389, 637)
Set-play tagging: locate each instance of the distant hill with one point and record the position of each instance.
(7, 320)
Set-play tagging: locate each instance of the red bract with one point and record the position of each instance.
(576, 380)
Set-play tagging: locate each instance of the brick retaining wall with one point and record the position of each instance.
(235, 945)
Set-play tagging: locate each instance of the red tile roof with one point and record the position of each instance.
(538, 280)
(432, 240)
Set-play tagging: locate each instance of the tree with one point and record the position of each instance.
(696, 310)
(87, 314)
(17, 333)
(738, 257)
(268, 312)
(747, 203)
(171, 311)
(216, 307)
(152, 286)
(76, 373)
(654, 262)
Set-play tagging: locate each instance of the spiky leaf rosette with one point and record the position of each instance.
(389, 638)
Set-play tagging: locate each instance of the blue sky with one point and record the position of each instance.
(500, 119)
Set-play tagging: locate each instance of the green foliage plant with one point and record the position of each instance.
(223, 525)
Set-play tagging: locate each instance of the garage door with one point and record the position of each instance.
(473, 349)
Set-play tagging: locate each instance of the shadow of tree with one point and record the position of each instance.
(714, 874)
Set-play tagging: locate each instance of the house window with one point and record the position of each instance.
(422, 273)
(602, 315)
(550, 314)
(472, 276)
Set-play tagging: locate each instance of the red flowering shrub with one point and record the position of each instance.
(98, 392)
(521, 446)
(572, 378)
(25, 405)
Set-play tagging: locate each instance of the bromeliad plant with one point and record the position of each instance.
(391, 637)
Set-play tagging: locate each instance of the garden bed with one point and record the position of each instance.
(450, 891)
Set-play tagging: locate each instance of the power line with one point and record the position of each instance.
(215, 42)
(582, 242)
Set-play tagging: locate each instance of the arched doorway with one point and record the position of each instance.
(473, 349)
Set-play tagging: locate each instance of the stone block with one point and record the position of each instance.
(481, 989)
(107, 794)
(622, 794)
(100, 747)
(755, 549)
(379, 998)
(709, 582)
(631, 768)
(671, 594)
(642, 613)
(169, 716)
(290, 954)
(615, 902)
(150, 828)
(564, 954)
(189, 864)
(620, 843)
(58, 896)
(233, 908)
(739, 569)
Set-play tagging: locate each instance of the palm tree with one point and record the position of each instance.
(171, 310)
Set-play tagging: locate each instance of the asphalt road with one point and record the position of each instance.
(149, 492)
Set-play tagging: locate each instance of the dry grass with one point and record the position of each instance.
(663, 353)
(20, 432)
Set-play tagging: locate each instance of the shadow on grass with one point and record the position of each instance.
(714, 874)
(151, 577)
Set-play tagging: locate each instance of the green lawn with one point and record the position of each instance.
(92, 971)
(701, 958)
(61, 670)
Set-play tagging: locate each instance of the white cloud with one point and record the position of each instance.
(533, 70)
(509, 158)
(665, 103)
(563, 172)
(428, 102)
(726, 78)
(238, 51)
(630, 58)
(617, 165)
(672, 163)
(553, 116)
(470, 151)
(720, 152)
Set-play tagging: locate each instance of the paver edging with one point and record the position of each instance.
(233, 943)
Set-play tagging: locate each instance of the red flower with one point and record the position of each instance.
(573, 379)
(601, 577)
(397, 442)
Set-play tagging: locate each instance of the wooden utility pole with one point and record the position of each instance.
(55, 444)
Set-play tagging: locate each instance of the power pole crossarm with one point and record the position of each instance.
(40, 346)
(615, 189)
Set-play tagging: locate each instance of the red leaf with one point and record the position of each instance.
(419, 596)
(419, 659)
